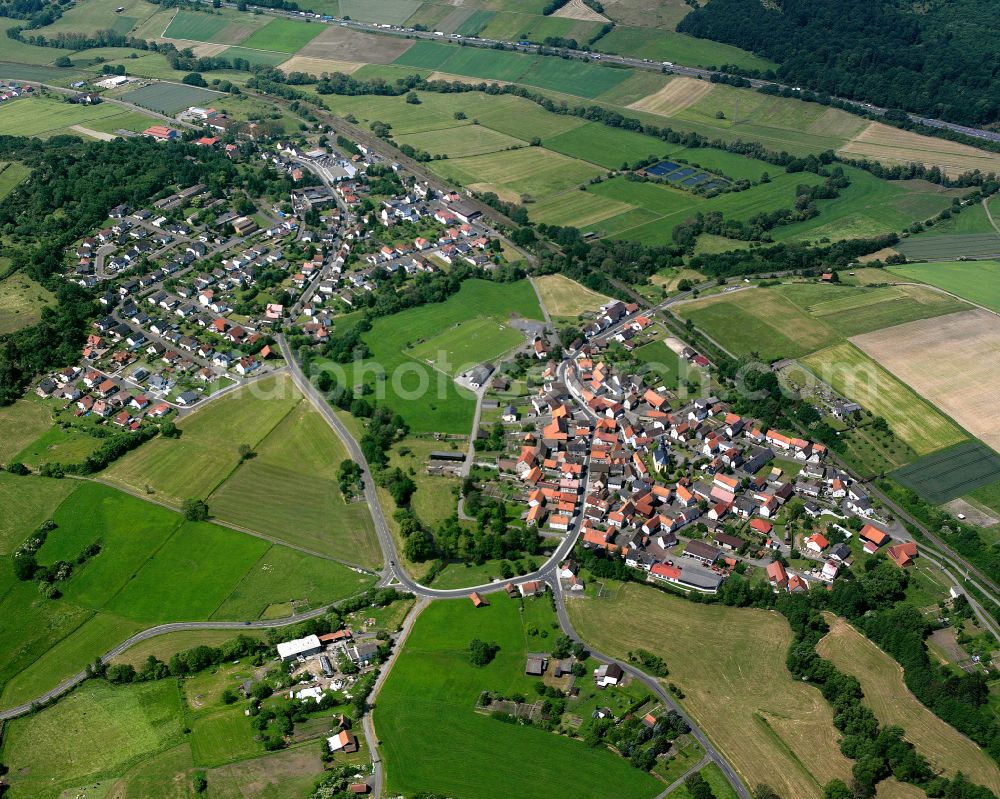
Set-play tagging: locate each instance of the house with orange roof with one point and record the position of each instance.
(902, 554)
(817, 542)
(777, 575)
(873, 535)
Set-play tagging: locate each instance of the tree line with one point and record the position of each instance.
(941, 61)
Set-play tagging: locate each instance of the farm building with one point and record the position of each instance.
(299, 647)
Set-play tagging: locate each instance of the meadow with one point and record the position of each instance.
(153, 567)
(26, 502)
(207, 451)
(853, 374)
(20, 424)
(951, 473)
(21, 298)
(101, 730)
(289, 491)
(795, 319)
(775, 729)
(43, 117)
(12, 174)
(976, 281)
(566, 299)
(433, 689)
(400, 346)
(886, 694)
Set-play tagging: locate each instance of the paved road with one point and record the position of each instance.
(653, 685)
(153, 632)
(587, 55)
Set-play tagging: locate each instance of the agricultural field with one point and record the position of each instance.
(854, 375)
(197, 26)
(283, 36)
(44, 117)
(976, 281)
(936, 248)
(793, 320)
(774, 729)
(886, 694)
(891, 145)
(403, 345)
(347, 45)
(951, 473)
(289, 490)
(565, 298)
(674, 97)
(207, 452)
(434, 687)
(169, 98)
(21, 298)
(566, 77)
(951, 361)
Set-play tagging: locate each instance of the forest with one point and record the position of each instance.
(938, 59)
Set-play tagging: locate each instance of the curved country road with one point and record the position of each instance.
(653, 685)
(396, 576)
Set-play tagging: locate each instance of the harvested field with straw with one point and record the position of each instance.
(952, 361)
(674, 97)
(888, 144)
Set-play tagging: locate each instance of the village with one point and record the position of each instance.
(193, 288)
(680, 487)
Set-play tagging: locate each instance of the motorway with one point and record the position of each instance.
(588, 55)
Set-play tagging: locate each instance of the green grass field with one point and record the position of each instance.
(283, 36)
(951, 473)
(856, 376)
(20, 424)
(153, 567)
(44, 117)
(567, 77)
(197, 26)
(532, 171)
(207, 452)
(290, 576)
(26, 502)
(461, 141)
(793, 320)
(91, 17)
(289, 490)
(58, 445)
(936, 248)
(101, 731)
(425, 714)
(976, 281)
(12, 174)
(424, 393)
